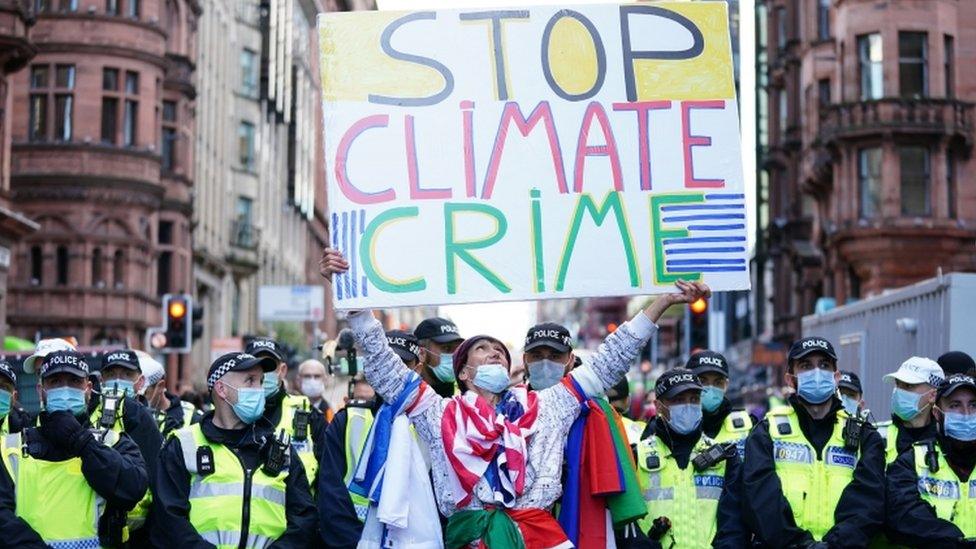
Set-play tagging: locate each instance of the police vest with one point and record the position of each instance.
(229, 503)
(686, 496)
(954, 501)
(136, 518)
(886, 428)
(634, 429)
(358, 423)
(811, 485)
(40, 485)
(291, 406)
(736, 428)
(188, 409)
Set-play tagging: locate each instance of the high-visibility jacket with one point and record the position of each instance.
(689, 498)
(634, 429)
(736, 428)
(230, 503)
(136, 518)
(811, 484)
(42, 485)
(952, 499)
(291, 406)
(358, 423)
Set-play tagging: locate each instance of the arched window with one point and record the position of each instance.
(96, 268)
(61, 259)
(118, 269)
(36, 265)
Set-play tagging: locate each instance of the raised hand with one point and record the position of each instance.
(332, 262)
(689, 292)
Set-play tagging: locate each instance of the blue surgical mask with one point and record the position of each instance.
(961, 427)
(118, 387)
(492, 378)
(249, 405)
(904, 404)
(850, 404)
(270, 383)
(685, 418)
(5, 398)
(711, 398)
(445, 370)
(545, 373)
(66, 399)
(816, 386)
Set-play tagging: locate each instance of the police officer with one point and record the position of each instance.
(690, 482)
(619, 398)
(930, 496)
(345, 438)
(12, 418)
(811, 478)
(957, 362)
(439, 338)
(224, 481)
(851, 394)
(293, 413)
(912, 399)
(169, 410)
(92, 476)
(119, 409)
(311, 377)
(719, 422)
(547, 355)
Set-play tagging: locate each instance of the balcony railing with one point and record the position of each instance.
(894, 115)
(244, 235)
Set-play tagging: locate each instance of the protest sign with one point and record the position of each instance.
(546, 152)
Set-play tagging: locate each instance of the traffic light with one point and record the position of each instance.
(197, 329)
(176, 327)
(698, 325)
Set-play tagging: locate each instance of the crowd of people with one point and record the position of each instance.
(442, 443)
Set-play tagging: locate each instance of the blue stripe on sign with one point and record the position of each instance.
(716, 227)
(706, 269)
(345, 248)
(703, 217)
(696, 239)
(362, 230)
(685, 207)
(353, 274)
(335, 246)
(678, 251)
(706, 261)
(721, 196)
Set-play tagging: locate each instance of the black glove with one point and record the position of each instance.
(659, 528)
(63, 430)
(817, 545)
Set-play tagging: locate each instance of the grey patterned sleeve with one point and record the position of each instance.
(615, 356)
(384, 370)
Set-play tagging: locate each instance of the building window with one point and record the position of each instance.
(36, 266)
(780, 27)
(854, 284)
(44, 95)
(165, 235)
(869, 181)
(96, 268)
(130, 115)
(823, 19)
(133, 10)
(784, 113)
(61, 263)
(118, 269)
(249, 73)
(915, 181)
(112, 7)
(951, 192)
(169, 135)
(110, 123)
(164, 273)
(110, 79)
(948, 45)
(823, 92)
(870, 64)
(245, 145)
(114, 99)
(912, 64)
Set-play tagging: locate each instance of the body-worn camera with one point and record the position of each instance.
(713, 455)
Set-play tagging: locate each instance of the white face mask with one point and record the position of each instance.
(312, 388)
(545, 373)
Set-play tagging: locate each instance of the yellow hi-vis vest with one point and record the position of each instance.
(40, 484)
(289, 405)
(811, 485)
(634, 429)
(136, 518)
(689, 498)
(358, 423)
(953, 500)
(889, 432)
(232, 503)
(736, 428)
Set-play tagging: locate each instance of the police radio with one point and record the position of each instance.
(110, 408)
(931, 456)
(278, 452)
(300, 423)
(852, 433)
(713, 455)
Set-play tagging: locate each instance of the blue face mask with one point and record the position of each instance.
(66, 399)
(445, 370)
(685, 418)
(904, 404)
(816, 386)
(711, 398)
(545, 373)
(270, 383)
(5, 399)
(118, 387)
(961, 427)
(850, 404)
(492, 378)
(249, 405)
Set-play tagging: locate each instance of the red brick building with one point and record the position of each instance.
(868, 119)
(102, 127)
